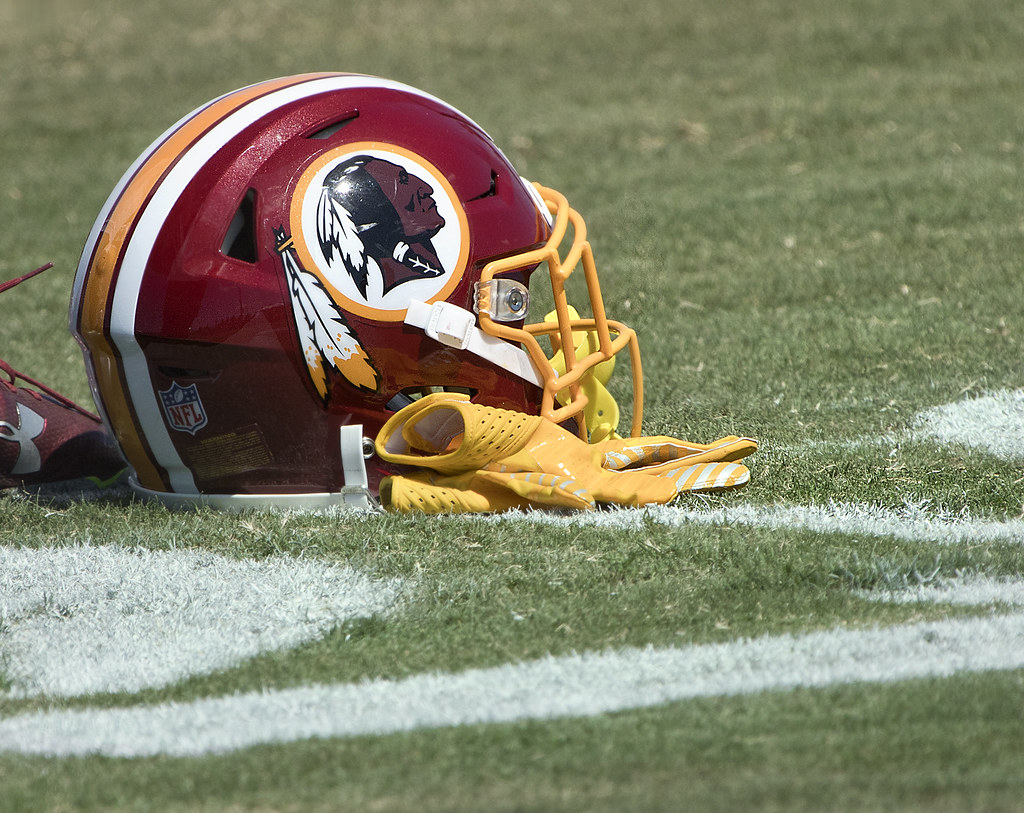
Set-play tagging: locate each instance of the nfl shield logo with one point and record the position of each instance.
(183, 408)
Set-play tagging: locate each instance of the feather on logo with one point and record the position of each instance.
(326, 339)
(339, 240)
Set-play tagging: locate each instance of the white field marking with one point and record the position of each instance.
(82, 619)
(598, 682)
(914, 523)
(993, 423)
(550, 688)
(968, 590)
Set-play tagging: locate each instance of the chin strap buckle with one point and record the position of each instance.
(449, 324)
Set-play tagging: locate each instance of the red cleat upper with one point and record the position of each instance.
(46, 438)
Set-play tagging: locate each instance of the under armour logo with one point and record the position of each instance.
(30, 426)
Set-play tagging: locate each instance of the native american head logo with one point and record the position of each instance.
(381, 227)
(375, 211)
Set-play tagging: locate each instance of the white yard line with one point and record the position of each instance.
(912, 523)
(992, 422)
(576, 685)
(82, 619)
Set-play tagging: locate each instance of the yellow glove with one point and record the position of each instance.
(485, 459)
(480, 492)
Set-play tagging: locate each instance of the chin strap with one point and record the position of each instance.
(456, 327)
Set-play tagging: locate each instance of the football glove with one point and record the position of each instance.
(473, 458)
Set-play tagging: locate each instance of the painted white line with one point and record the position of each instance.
(81, 619)
(970, 590)
(913, 523)
(554, 687)
(992, 422)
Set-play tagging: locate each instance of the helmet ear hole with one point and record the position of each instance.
(240, 239)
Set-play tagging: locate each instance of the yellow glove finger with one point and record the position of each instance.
(480, 492)
(419, 493)
(553, 450)
(654, 455)
(543, 490)
(708, 477)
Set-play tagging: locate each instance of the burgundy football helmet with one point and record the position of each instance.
(290, 264)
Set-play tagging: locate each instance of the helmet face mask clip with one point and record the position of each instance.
(503, 300)
(277, 274)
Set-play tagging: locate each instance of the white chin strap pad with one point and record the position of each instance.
(456, 327)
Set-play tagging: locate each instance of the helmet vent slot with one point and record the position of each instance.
(411, 394)
(490, 193)
(240, 239)
(326, 132)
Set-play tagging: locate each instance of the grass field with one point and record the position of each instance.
(813, 215)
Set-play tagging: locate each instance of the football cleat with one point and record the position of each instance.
(47, 439)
